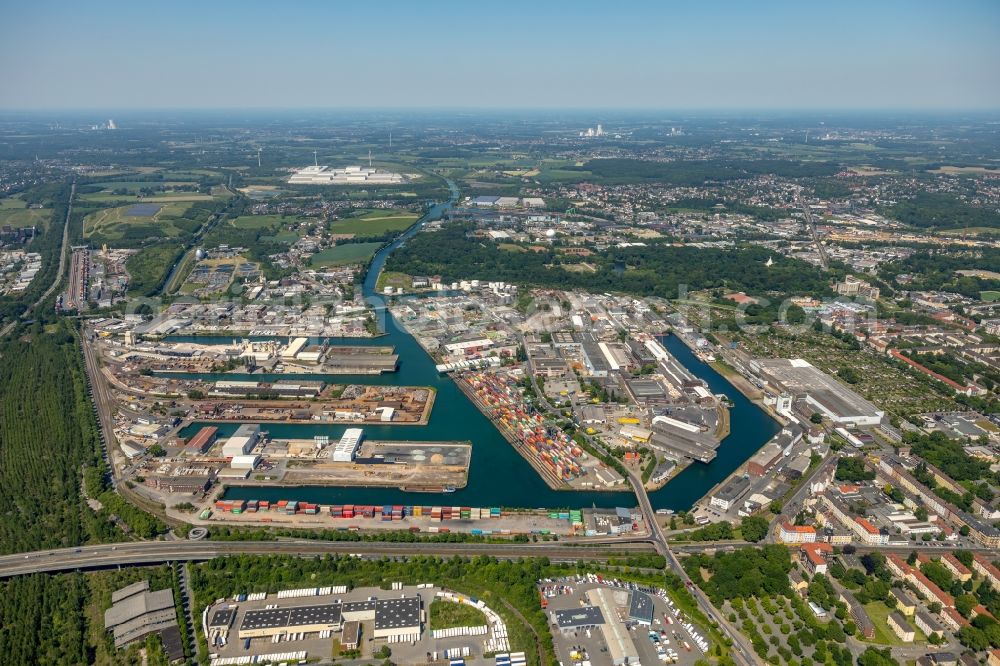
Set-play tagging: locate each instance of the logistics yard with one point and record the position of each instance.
(431, 465)
(330, 622)
(606, 622)
(248, 456)
(477, 521)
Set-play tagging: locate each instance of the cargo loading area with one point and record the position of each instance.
(323, 622)
(606, 622)
(430, 519)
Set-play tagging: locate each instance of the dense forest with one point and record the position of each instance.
(699, 172)
(653, 270)
(59, 619)
(47, 435)
(937, 270)
(941, 211)
(49, 445)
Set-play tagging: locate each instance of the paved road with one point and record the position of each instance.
(820, 249)
(63, 250)
(155, 552)
(742, 651)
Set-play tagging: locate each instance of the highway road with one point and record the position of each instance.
(155, 552)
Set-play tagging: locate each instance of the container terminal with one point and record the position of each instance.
(477, 521)
(559, 460)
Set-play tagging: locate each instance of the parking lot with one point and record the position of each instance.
(669, 638)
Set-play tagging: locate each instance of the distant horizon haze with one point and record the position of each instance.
(851, 56)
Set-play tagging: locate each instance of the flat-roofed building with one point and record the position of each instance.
(640, 608)
(398, 618)
(242, 441)
(822, 392)
(570, 620)
(313, 618)
(730, 493)
(350, 636)
(621, 649)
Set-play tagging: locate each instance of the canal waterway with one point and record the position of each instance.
(498, 475)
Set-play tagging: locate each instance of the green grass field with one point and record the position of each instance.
(878, 612)
(393, 279)
(112, 222)
(351, 253)
(134, 186)
(15, 213)
(257, 222)
(374, 222)
(283, 237)
(989, 296)
(448, 614)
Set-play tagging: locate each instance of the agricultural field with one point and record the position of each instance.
(340, 255)
(258, 221)
(144, 191)
(14, 212)
(374, 222)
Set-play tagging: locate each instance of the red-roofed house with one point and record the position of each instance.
(980, 609)
(953, 619)
(897, 565)
(797, 533)
(987, 569)
(867, 532)
(814, 561)
(930, 590)
(959, 570)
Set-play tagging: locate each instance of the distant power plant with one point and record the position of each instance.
(594, 132)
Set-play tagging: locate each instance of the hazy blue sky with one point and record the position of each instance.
(425, 53)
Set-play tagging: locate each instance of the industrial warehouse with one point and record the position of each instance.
(352, 175)
(607, 622)
(817, 391)
(254, 626)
